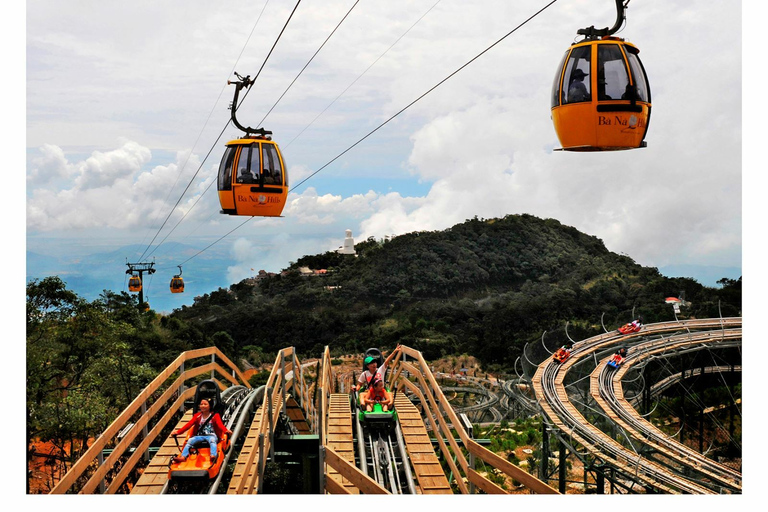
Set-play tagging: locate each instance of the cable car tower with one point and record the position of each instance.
(138, 270)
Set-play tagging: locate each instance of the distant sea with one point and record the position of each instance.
(89, 275)
(708, 276)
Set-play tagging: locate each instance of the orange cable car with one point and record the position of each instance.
(252, 179)
(177, 283)
(134, 284)
(601, 98)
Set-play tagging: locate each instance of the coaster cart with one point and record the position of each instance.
(377, 418)
(617, 359)
(633, 326)
(381, 451)
(198, 465)
(561, 354)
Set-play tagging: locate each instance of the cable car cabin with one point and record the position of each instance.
(601, 100)
(252, 178)
(134, 284)
(177, 284)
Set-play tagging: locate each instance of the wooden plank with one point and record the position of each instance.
(359, 479)
(431, 412)
(339, 438)
(296, 416)
(156, 474)
(483, 483)
(426, 467)
(245, 460)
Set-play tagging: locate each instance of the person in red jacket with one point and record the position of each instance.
(206, 426)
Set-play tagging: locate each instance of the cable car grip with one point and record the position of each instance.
(244, 82)
(593, 33)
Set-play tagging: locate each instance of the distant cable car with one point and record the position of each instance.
(134, 284)
(253, 179)
(177, 283)
(601, 99)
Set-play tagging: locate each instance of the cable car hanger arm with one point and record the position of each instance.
(239, 84)
(593, 33)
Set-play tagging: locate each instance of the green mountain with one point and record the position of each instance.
(483, 287)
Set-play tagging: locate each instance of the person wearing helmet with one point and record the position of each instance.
(372, 369)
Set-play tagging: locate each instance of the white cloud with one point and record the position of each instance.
(103, 169)
(51, 163)
(482, 140)
(107, 189)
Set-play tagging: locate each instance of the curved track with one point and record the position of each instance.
(606, 389)
(622, 457)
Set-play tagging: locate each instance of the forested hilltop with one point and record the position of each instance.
(484, 287)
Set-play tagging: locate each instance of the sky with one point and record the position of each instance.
(127, 104)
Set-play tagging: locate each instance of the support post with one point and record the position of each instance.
(270, 413)
(282, 382)
(181, 387)
(470, 432)
(102, 485)
(562, 470)
(544, 462)
(260, 468)
(321, 464)
(600, 479)
(145, 430)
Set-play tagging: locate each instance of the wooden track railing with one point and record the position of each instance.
(88, 467)
(287, 374)
(445, 421)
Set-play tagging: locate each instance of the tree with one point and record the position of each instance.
(81, 371)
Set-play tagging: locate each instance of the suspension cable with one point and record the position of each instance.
(423, 95)
(451, 75)
(226, 125)
(362, 74)
(210, 114)
(261, 123)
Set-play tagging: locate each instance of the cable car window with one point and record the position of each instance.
(225, 169)
(638, 75)
(577, 76)
(273, 171)
(254, 164)
(556, 83)
(612, 74)
(248, 165)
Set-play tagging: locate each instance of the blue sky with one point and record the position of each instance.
(124, 100)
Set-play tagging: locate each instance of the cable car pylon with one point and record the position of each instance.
(137, 271)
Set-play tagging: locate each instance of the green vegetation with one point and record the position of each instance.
(483, 287)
